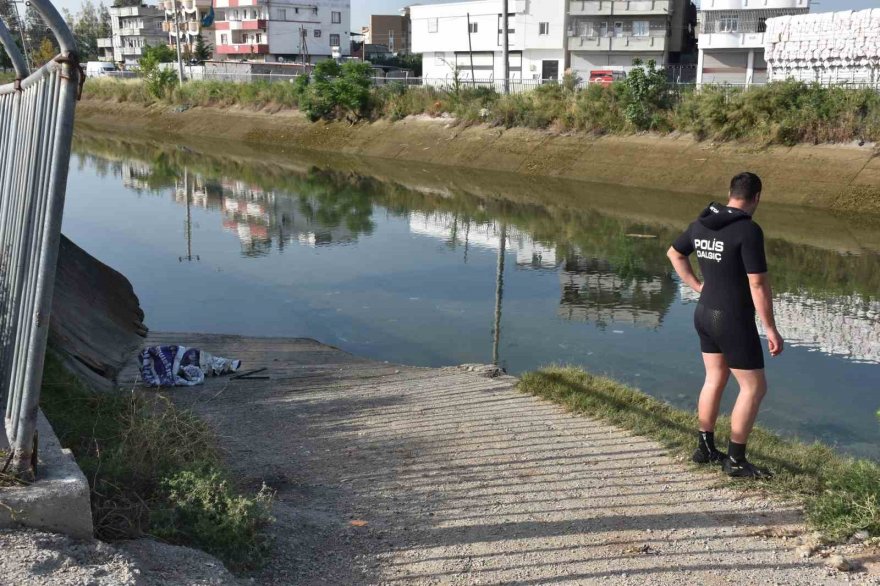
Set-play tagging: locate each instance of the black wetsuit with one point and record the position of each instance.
(729, 247)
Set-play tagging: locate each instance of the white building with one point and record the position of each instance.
(133, 28)
(445, 38)
(731, 38)
(610, 34)
(283, 30)
(833, 47)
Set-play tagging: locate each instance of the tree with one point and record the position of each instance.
(202, 50)
(10, 17)
(646, 95)
(44, 53)
(159, 80)
(338, 91)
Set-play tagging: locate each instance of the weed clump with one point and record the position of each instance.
(154, 470)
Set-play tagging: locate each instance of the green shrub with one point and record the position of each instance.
(204, 511)
(154, 470)
(159, 80)
(339, 91)
(646, 96)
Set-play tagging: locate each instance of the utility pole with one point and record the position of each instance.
(471, 51)
(177, 10)
(506, 48)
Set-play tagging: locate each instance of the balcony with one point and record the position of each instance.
(732, 40)
(640, 44)
(105, 43)
(589, 43)
(624, 43)
(618, 7)
(243, 49)
(242, 25)
(753, 4)
(234, 3)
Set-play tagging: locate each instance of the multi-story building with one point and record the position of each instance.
(283, 30)
(105, 49)
(390, 30)
(133, 28)
(610, 34)
(183, 23)
(731, 38)
(467, 38)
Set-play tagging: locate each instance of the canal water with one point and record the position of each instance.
(432, 277)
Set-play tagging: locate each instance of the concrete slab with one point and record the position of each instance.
(59, 500)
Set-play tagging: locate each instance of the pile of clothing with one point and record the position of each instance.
(179, 366)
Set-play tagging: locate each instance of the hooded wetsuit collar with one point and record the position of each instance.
(717, 216)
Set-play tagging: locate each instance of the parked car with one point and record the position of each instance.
(99, 68)
(606, 76)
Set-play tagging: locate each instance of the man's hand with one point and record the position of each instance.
(775, 343)
(682, 266)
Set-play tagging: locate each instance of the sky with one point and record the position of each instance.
(361, 9)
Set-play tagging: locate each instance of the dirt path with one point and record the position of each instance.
(460, 479)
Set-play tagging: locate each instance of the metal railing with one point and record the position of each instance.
(37, 126)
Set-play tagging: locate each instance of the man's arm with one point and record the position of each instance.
(682, 266)
(762, 296)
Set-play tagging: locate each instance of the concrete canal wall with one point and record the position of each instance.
(837, 177)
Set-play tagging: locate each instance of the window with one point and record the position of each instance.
(336, 17)
(641, 28)
(258, 38)
(282, 14)
(334, 41)
(224, 39)
(433, 25)
(317, 33)
(762, 25)
(728, 24)
(603, 29)
(473, 28)
(543, 28)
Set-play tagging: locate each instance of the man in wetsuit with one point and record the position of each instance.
(730, 251)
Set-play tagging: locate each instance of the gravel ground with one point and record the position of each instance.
(34, 558)
(395, 475)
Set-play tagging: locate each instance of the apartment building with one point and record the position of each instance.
(731, 38)
(283, 30)
(133, 28)
(467, 37)
(183, 23)
(390, 30)
(610, 34)
(105, 49)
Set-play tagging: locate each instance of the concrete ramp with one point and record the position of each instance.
(396, 475)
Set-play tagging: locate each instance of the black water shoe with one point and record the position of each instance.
(744, 469)
(703, 457)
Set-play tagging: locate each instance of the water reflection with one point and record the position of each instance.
(409, 275)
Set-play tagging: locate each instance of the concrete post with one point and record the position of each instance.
(750, 68)
(700, 68)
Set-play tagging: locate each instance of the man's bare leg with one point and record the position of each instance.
(717, 375)
(752, 389)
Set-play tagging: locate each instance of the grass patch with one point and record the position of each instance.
(778, 113)
(155, 470)
(841, 495)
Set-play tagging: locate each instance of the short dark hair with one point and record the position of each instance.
(745, 186)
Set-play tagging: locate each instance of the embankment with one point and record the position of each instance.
(836, 177)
